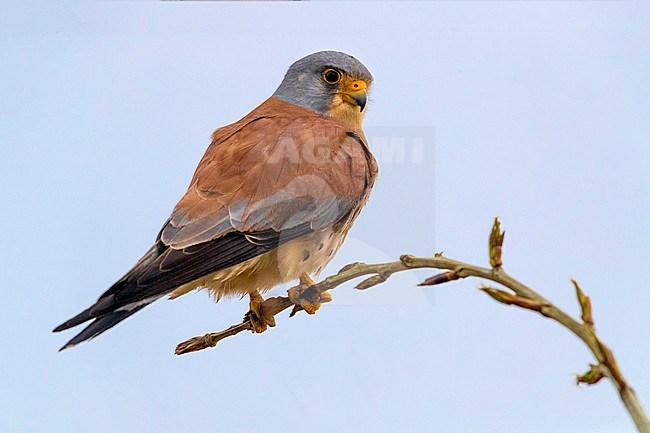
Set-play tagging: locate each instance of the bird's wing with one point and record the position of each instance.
(269, 178)
(274, 174)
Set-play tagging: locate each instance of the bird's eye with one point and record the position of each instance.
(331, 76)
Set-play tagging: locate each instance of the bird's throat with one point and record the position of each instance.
(346, 113)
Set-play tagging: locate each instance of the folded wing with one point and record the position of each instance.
(278, 174)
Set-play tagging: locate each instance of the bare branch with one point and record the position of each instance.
(519, 295)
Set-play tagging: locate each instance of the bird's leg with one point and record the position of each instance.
(259, 316)
(311, 304)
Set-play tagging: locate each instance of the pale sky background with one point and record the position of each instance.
(534, 111)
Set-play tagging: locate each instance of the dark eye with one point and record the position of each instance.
(331, 76)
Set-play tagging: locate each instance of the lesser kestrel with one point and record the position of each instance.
(271, 200)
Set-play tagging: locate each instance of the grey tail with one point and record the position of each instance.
(100, 325)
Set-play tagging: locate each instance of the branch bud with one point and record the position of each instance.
(510, 299)
(585, 305)
(496, 244)
(370, 282)
(445, 277)
(592, 376)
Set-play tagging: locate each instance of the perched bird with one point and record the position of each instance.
(271, 200)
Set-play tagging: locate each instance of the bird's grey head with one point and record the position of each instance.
(327, 82)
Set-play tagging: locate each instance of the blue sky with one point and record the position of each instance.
(533, 111)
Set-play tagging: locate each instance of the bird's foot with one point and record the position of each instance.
(259, 316)
(310, 304)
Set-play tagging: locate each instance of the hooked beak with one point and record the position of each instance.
(356, 93)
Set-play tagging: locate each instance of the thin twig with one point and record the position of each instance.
(521, 296)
